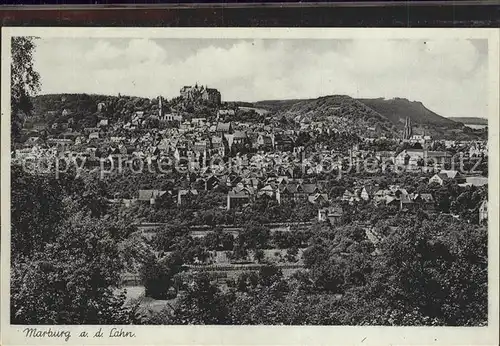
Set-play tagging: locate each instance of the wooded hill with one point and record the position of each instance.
(394, 110)
(359, 115)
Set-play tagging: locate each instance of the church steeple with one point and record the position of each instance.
(160, 107)
(408, 132)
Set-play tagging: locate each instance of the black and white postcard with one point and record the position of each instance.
(250, 186)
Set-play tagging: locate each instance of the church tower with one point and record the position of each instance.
(160, 107)
(407, 133)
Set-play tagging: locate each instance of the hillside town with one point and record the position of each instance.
(249, 159)
(236, 187)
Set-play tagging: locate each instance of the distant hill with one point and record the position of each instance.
(471, 120)
(396, 110)
(358, 114)
(340, 112)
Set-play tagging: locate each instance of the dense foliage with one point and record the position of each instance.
(66, 262)
(431, 273)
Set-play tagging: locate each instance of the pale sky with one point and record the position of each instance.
(447, 76)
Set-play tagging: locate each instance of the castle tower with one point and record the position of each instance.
(407, 133)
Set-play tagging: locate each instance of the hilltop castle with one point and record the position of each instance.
(201, 93)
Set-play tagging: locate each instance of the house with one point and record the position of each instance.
(419, 157)
(219, 146)
(137, 118)
(182, 194)
(449, 143)
(375, 130)
(349, 196)
(117, 139)
(60, 143)
(483, 212)
(425, 200)
(171, 117)
(40, 127)
(437, 158)
(240, 138)
(103, 123)
(224, 128)
(367, 193)
(283, 142)
(417, 139)
(264, 142)
(267, 190)
(237, 199)
(223, 112)
(32, 141)
(150, 196)
(66, 112)
(442, 176)
(298, 191)
(89, 130)
(318, 198)
(392, 201)
(406, 202)
(198, 121)
(101, 107)
(331, 214)
(381, 195)
(477, 150)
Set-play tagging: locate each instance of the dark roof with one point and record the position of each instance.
(225, 127)
(291, 188)
(309, 188)
(240, 134)
(443, 176)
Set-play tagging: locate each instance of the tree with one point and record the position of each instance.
(201, 303)
(25, 81)
(158, 275)
(72, 280)
(36, 208)
(433, 273)
(259, 255)
(254, 235)
(291, 254)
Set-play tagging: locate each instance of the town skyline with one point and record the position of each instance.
(273, 69)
